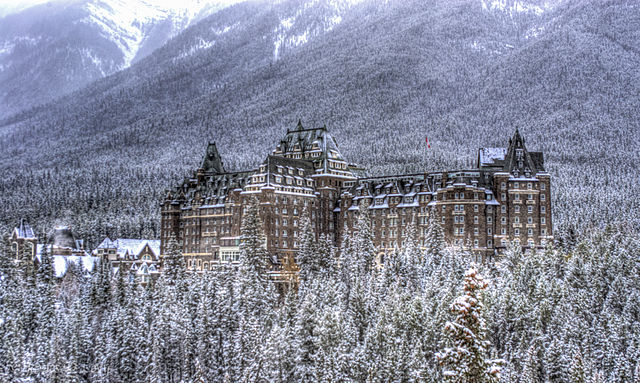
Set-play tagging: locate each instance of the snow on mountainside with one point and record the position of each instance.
(130, 23)
(290, 34)
(513, 7)
(51, 49)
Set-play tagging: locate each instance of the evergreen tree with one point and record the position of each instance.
(308, 257)
(467, 358)
(305, 344)
(173, 264)
(577, 374)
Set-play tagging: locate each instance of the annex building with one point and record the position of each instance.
(506, 198)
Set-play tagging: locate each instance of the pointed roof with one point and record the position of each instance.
(518, 160)
(130, 247)
(24, 231)
(212, 161)
(316, 141)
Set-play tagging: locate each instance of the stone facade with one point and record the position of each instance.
(504, 199)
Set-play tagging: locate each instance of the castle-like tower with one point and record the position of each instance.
(505, 198)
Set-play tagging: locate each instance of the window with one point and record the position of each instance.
(489, 231)
(456, 197)
(444, 208)
(489, 243)
(503, 209)
(543, 220)
(503, 220)
(530, 209)
(503, 185)
(530, 231)
(543, 197)
(503, 231)
(475, 195)
(516, 220)
(543, 186)
(475, 208)
(516, 231)
(543, 231)
(475, 243)
(516, 197)
(489, 219)
(516, 185)
(475, 219)
(529, 196)
(443, 220)
(543, 209)
(475, 231)
(517, 209)
(503, 196)
(529, 186)
(529, 220)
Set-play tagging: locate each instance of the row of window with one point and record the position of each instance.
(516, 185)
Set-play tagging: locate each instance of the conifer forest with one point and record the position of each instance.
(95, 126)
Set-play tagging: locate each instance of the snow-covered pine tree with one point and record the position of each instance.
(555, 362)
(577, 373)
(308, 256)
(466, 361)
(364, 247)
(305, 346)
(254, 308)
(435, 241)
(531, 368)
(173, 264)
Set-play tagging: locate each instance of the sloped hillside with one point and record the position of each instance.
(380, 75)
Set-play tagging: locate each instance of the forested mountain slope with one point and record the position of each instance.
(380, 75)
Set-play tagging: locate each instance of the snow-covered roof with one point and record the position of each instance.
(489, 156)
(133, 247)
(24, 231)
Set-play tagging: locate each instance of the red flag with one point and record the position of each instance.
(428, 144)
